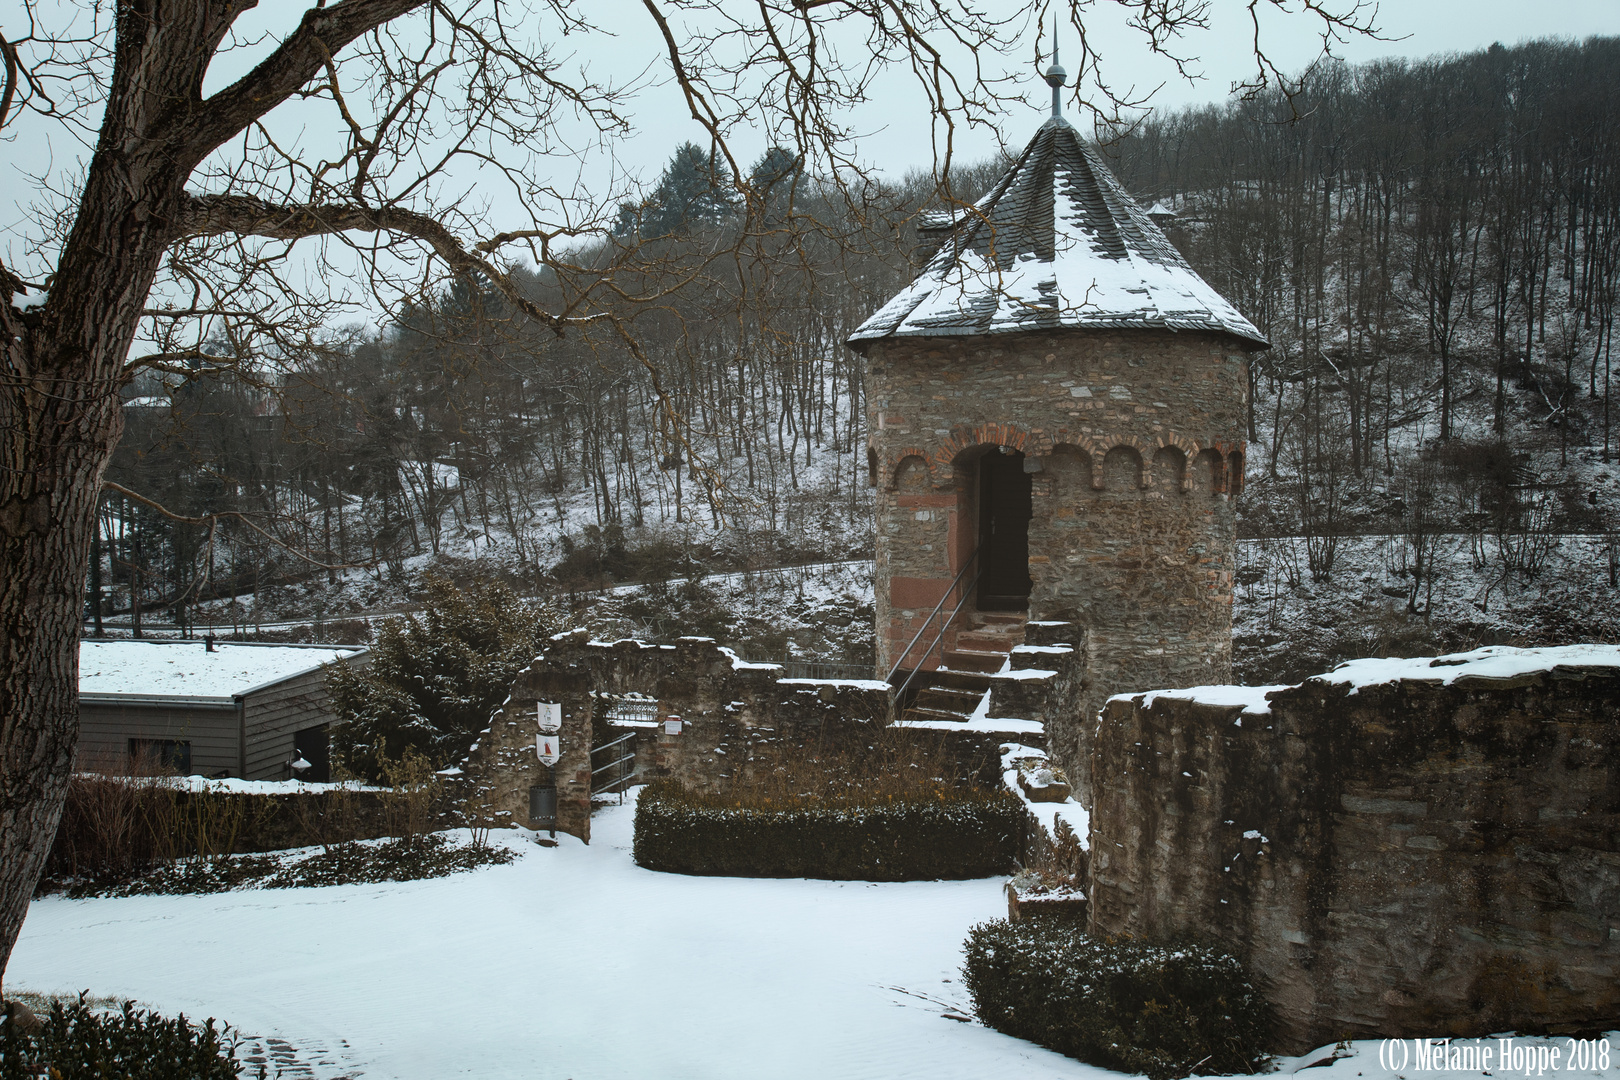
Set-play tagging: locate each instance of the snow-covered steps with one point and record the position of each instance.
(980, 649)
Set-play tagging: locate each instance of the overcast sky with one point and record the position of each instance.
(896, 124)
(900, 136)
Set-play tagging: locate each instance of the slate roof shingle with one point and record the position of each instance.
(1056, 244)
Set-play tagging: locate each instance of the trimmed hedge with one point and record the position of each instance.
(956, 834)
(1160, 1010)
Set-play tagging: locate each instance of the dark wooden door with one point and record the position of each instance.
(1004, 509)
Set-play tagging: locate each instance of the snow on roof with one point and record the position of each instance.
(1057, 243)
(234, 786)
(1491, 662)
(186, 669)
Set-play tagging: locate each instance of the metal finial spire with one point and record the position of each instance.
(1055, 75)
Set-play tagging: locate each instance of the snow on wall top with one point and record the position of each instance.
(1253, 699)
(1056, 244)
(187, 669)
(1491, 662)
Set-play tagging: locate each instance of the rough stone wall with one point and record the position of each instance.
(1045, 681)
(503, 764)
(734, 715)
(1138, 435)
(1409, 859)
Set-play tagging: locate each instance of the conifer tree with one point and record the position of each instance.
(434, 676)
(693, 192)
(775, 180)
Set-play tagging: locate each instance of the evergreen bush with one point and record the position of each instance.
(952, 833)
(1163, 1010)
(76, 1042)
(434, 677)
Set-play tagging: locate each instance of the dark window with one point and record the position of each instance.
(169, 755)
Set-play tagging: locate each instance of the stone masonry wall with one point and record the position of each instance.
(734, 715)
(503, 764)
(1137, 435)
(1408, 859)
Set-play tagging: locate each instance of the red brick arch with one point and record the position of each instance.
(941, 458)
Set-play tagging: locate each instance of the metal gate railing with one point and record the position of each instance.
(613, 766)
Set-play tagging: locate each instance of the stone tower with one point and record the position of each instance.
(1055, 416)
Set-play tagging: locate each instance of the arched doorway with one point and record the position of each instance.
(1004, 511)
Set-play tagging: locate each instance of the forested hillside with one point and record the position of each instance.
(1433, 249)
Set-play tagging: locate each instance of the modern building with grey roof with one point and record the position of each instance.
(254, 711)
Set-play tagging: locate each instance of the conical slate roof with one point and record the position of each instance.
(1056, 244)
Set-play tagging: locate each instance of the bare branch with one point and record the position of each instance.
(211, 519)
(244, 215)
(322, 32)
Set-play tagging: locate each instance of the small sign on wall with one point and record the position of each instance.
(549, 747)
(672, 725)
(549, 714)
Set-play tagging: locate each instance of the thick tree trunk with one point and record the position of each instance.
(47, 520)
(59, 421)
(63, 365)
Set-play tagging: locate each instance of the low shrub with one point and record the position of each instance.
(409, 858)
(76, 1042)
(219, 873)
(1166, 1011)
(948, 833)
(406, 858)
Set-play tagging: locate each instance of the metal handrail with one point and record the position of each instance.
(900, 693)
(624, 777)
(616, 761)
(971, 559)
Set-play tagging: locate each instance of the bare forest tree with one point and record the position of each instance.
(1430, 247)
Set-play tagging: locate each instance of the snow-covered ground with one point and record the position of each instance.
(574, 962)
(571, 962)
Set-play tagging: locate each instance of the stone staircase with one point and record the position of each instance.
(953, 691)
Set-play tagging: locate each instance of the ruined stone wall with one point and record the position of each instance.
(503, 765)
(1409, 859)
(734, 717)
(1137, 436)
